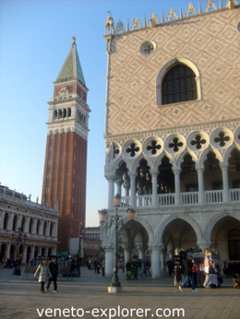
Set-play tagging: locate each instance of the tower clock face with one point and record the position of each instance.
(63, 92)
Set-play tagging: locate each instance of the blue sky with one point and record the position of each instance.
(35, 37)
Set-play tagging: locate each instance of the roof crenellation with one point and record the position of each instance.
(212, 6)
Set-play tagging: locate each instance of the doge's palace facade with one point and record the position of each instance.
(173, 134)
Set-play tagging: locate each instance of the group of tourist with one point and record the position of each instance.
(137, 268)
(47, 273)
(192, 270)
(97, 264)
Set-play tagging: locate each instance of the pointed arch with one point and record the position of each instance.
(168, 66)
(142, 221)
(158, 235)
(205, 153)
(228, 153)
(181, 157)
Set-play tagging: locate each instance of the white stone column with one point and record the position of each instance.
(224, 169)
(19, 221)
(55, 230)
(10, 222)
(110, 193)
(201, 198)
(24, 256)
(162, 270)
(155, 261)
(109, 261)
(119, 188)
(41, 228)
(154, 189)
(2, 215)
(48, 228)
(8, 250)
(26, 227)
(32, 253)
(34, 227)
(132, 190)
(177, 185)
(126, 255)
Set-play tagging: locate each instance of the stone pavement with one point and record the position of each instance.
(19, 298)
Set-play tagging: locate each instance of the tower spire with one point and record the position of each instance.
(72, 69)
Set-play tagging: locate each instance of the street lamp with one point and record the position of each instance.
(19, 240)
(115, 284)
(102, 216)
(131, 214)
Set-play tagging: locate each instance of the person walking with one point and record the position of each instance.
(178, 270)
(42, 273)
(194, 275)
(207, 256)
(53, 274)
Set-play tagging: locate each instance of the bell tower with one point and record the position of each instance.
(64, 182)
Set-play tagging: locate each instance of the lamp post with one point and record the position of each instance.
(103, 215)
(19, 239)
(115, 284)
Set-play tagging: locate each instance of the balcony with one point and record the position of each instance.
(211, 197)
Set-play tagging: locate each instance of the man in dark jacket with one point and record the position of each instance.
(53, 273)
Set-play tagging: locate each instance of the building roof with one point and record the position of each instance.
(72, 69)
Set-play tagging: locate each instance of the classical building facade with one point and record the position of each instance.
(173, 134)
(27, 230)
(91, 242)
(64, 184)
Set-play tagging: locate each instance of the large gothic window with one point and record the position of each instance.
(179, 84)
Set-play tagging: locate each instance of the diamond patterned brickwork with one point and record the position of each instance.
(211, 42)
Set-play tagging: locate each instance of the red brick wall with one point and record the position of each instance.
(64, 184)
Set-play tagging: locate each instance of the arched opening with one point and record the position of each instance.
(38, 227)
(14, 226)
(5, 221)
(234, 169)
(69, 112)
(23, 223)
(143, 178)
(28, 254)
(122, 178)
(212, 173)
(165, 177)
(188, 176)
(59, 114)
(178, 84)
(20, 251)
(178, 234)
(55, 114)
(3, 253)
(225, 238)
(45, 228)
(133, 242)
(12, 252)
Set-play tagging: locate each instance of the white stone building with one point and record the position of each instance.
(27, 229)
(173, 134)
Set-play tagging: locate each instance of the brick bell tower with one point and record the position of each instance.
(64, 182)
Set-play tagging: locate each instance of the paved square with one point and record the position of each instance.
(20, 298)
